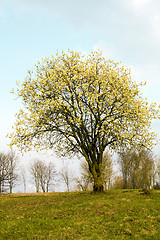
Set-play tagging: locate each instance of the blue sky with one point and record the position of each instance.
(125, 30)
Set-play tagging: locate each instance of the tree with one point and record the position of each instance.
(3, 172)
(8, 171)
(12, 162)
(138, 168)
(82, 104)
(43, 174)
(107, 170)
(125, 160)
(34, 170)
(157, 174)
(147, 169)
(50, 175)
(66, 175)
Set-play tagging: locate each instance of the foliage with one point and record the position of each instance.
(82, 104)
(116, 214)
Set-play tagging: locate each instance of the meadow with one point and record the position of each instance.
(114, 214)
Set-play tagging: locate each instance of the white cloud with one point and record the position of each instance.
(139, 3)
(149, 10)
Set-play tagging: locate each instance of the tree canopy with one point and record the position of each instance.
(82, 104)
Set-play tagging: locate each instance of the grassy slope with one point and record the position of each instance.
(116, 214)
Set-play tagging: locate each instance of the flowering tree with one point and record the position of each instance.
(82, 104)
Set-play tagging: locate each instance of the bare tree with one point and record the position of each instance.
(34, 172)
(107, 170)
(43, 174)
(157, 174)
(3, 172)
(50, 175)
(66, 175)
(8, 171)
(158, 170)
(125, 160)
(12, 162)
(138, 168)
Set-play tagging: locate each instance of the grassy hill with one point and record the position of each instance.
(115, 214)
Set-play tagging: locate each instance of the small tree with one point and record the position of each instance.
(138, 168)
(34, 170)
(83, 104)
(3, 172)
(43, 174)
(125, 160)
(50, 175)
(158, 171)
(157, 174)
(12, 161)
(8, 171)
(107, 170)
(147, 169)
(66, 175)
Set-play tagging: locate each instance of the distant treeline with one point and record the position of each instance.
(137, 169)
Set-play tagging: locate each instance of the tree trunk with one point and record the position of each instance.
(43, 188)
(98, 184)
(24, 183)
(125, 183)
(10, 188)
(37, 185)
(47, 186)
(10, 185)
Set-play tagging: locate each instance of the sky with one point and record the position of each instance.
(124, 30)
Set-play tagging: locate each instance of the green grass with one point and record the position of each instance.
(115, 214)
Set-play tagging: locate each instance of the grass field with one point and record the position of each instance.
(115, 214)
